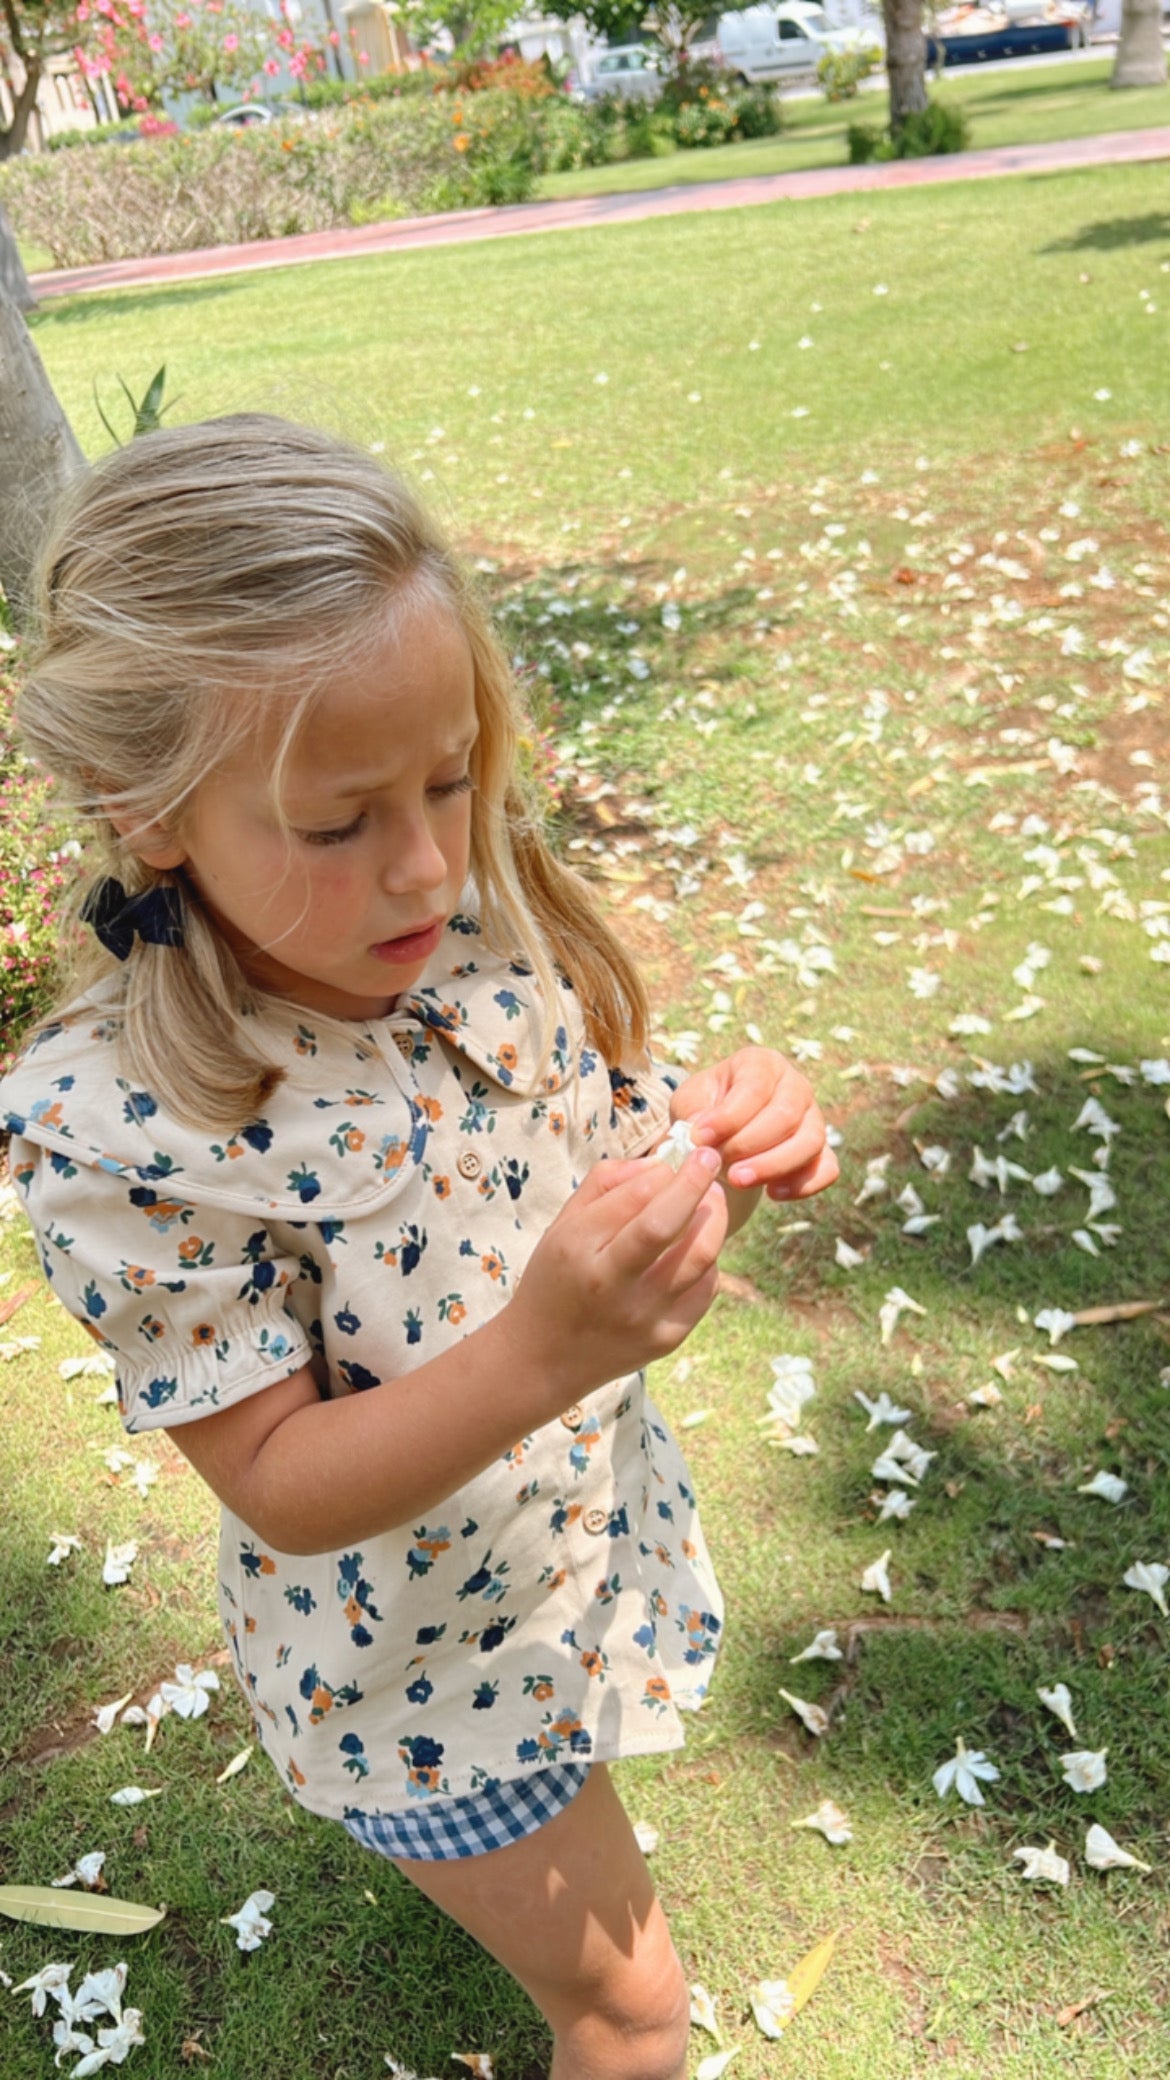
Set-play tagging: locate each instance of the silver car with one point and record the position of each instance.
(630, 72)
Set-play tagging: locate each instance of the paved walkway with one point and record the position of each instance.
(456, 227)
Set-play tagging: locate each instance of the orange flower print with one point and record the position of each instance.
(136, 1276)
(431, 1109)
(321, 1702)
(296, 1776)
(542, 1689)
(355, 1139)
(203, 1333)
(189, 1248)
(690, 1549)
(507, 1056)
(493, 1264)
(456, 1313)
(556, 1123)
(441, 1187)
(249, 1624)
(657, 1690)
(593, 1662)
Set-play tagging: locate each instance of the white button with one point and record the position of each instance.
(595, 1521)
(573, 1417)
(469, 1164)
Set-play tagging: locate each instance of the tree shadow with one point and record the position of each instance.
(1114, 232)
(85, 307)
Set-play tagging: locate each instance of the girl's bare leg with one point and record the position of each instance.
(571, 1912)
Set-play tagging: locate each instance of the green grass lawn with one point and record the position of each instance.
(1034, 106)
(887, 679)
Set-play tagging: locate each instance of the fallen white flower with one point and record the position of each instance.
(1152, 1577)
(86, 1871)
(1056, 1321)
(985, 1397)
(800, 1447)
(1102, 1853)
(823, 1648)
(132, 1795)
(100, 1993)
(897, 1504)
(1084, 1769)
(1085, 1241)
(52, 1979)
(64, 1543)
(1059, 1702)
(875, 1179)
(113, 2045)
(118, 1562)
(106, 1716)
(962, 1770)
(1109, 1486)
(1048, 1183)
(876, 1579)
(772, 2005)
(896, 1303)
(703, 2011)
(908, 1460)
(980, 1238)
(1043, 1865)
(883, 1410)
(1094, 1116)
(250, 1924)
(847, 1257)
(830, 1821)
(717, 2062)
(810, 1715)
(188, 1695)
(1055, 1361)
(647, 1837)
(935, 1159)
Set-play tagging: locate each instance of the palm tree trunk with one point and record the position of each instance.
(905, 58)
(38, 455)
(1141, 55)
(13, 280)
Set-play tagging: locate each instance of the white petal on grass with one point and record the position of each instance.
(1055, 1361)
(106, 1716)
(801, 1447)
(118, 1562)
(896, 1304)
(1084, 1769)
(896, 1505)
(250, 1923)
(647, 1837)
(772, 2005)
(1043, 1866)
(1094, 1116)
(188, 1695)
(703, 2011)
(1109, 1486)
(715, 2063)
(87, 1871)
(985, 1397)
(830, 1821)
(965, 1770)
(1085, 1241)
(876, 1579)
(1047, 1183)
(1059, 1702)
(935, 1159)
(64, 1543)
(697, 1417)
(823, 1648)
(132, 1795)
(847, 1257)
(1056, 1321)
(1151, 1576)
(792, 1386)
(810, 1715)
(1102, 1853)
(875, 1179)
(100, 1993)
(237, 1763)
(481, 2063)
(883, 1410)
(52, 1981)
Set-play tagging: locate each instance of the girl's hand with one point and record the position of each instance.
(760, 1113)
(622, 1276)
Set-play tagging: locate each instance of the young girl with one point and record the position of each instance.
(316, 1155)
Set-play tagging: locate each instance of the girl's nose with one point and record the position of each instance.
(414, 859)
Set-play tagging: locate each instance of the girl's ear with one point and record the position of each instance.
(152, 843)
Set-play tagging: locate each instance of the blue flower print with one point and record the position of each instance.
(331, 1232)
(347, 1321)
(262, 1280)
(354, 1752)
(509, 1003)
(420, 1690)
(357, 1599)
(139, 1105)
(484, 1696)
(62, 1165)
(424, 1760)
(95, 1306)
(157, 1392)
(305, 1183)
(515, 1177)
(467, 927)
(426, 1549)
(428, 1634)
(527, 1750)
(302, 1600)
(357, 1376)
(258, 1135)
(412, 1323)
(487, 1581)
(701, 1630)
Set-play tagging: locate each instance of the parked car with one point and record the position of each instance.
(246, 115)
(631, 72)
(976, 35)
(773, 43)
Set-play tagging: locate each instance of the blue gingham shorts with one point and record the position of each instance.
(444, 1828)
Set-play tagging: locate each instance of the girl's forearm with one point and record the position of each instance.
(334, 1472)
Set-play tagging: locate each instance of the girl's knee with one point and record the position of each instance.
(637, 2029)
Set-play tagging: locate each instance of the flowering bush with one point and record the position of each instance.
(36, 868)
(840, 73)
(214, 187)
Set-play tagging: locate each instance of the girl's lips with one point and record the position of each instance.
(414, 946)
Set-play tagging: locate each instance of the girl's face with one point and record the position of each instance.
(341, 910)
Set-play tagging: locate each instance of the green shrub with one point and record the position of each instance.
(101, 133)
(940, 127)
(757, 111)
(37, 867)
(840, 73)
(410, 155)
(708, 121)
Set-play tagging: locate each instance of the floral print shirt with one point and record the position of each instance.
(559, 1606)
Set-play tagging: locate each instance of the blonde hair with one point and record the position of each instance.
(193, 582)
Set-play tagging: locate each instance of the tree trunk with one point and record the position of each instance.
(905, 58)
(13, 280)
(38, 455)
(23, 104)
(1141, 56)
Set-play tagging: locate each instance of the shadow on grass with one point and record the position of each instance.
(87, 307)
(1114, 232)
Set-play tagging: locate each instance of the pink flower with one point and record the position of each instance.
(231, 43)
(363, 57)
(296, 64)
(155, 41)
(83, 11)
(272, 67)
(334, 38)
(182, 21)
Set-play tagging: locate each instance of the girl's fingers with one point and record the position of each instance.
(764, 1085)
(816, 1176)
(643, 1223)
(761, 1158)
(696, 1252)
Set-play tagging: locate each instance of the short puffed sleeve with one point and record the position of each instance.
(640, 1106)
(190, 1301)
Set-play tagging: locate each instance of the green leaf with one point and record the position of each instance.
(150, 410)
(92, 1913)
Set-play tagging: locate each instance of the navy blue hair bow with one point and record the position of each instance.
(156, 916)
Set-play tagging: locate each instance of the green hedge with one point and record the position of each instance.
(36, 868)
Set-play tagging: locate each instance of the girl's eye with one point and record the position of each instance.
(337, 837)
(451, 787)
